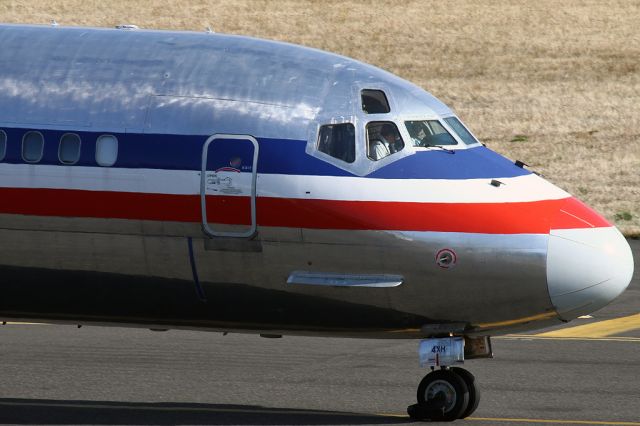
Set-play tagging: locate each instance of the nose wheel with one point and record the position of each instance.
(446, 395)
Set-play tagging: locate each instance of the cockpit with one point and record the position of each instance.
(377, 135)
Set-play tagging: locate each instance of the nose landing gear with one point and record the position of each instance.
(446, 395)
(449, 393)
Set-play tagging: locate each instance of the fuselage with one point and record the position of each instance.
(185, 180)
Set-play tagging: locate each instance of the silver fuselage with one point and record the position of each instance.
(75, 245)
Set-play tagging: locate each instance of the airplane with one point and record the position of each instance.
(203, 181)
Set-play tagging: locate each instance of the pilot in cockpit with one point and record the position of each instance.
(387, 142)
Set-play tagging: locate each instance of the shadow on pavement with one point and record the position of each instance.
(59, 412)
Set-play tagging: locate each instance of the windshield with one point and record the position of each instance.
(462, 131)
(429, 133)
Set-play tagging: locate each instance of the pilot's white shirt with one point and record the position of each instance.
(379, 149)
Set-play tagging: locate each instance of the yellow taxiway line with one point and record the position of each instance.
(587, 339)
(553, 421)
(598, 329)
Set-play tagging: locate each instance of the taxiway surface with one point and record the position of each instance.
(63, 375)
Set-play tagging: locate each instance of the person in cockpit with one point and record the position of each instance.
(387, 143)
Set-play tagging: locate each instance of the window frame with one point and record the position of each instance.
(60, 148)
(117, 150)
(41, 147)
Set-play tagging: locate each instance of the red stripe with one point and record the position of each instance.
(489, 218)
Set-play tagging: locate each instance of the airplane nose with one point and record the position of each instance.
(586, 269)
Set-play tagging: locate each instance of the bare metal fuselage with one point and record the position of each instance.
(76, 247)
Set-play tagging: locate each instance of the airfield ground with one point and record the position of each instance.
(554, 84)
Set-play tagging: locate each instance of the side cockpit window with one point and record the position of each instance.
(375, 102)
(339, 141)
(383, 139)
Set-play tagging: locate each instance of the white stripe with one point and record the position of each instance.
(156, 181)
(518, 189)
(153, 181)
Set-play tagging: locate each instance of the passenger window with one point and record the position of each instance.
(32, 147)
(339, 141)
(374, 102)
(106, 150)
(69, 149)
(3, 144)
(383, 139)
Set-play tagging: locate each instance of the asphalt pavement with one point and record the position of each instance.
(52, 374)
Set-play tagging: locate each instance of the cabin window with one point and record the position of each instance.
(383, 139)
(426, 133)
(375, 102)
(106, 150)
(3, 144)
(339, 141)
(461, 131)
(32, 147)
(69, 149)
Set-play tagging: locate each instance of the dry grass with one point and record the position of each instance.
(564, 74)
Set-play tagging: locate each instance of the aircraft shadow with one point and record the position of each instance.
(61, 412)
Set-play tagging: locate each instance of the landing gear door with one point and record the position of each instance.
(228, 185)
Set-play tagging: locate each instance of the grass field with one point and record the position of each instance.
(554, 84)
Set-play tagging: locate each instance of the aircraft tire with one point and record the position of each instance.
(449, 390)
(474, 391)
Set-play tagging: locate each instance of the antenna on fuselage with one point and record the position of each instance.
(129, 27)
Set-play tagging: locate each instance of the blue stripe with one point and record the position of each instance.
(277, 156)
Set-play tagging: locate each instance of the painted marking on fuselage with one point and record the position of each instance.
(518, 218)
(598, 329)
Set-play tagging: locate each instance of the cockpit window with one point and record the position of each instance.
(374, 102)
(429, 133)
(462, 131)
(339, 141)
(383, 139)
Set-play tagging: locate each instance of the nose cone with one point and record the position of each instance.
(587, 269)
